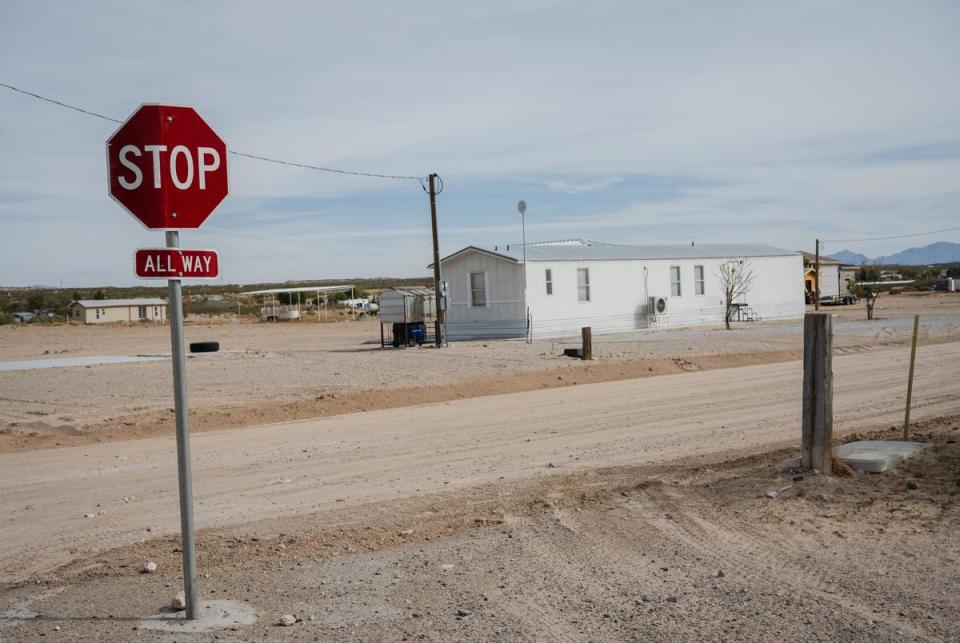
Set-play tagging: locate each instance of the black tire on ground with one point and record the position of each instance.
(204, 347)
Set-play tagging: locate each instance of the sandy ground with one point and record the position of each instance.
(491, 491)
(674, 551)
(545, 503)
(278, 372)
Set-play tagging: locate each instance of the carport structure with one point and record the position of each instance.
(272, 310)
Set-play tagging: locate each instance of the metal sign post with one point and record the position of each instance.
(178, 352)
(168, 168)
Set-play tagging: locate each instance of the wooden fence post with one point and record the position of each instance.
(587, 332)
(817, 439)
(913, 360)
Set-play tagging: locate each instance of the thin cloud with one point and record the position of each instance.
(787, 121)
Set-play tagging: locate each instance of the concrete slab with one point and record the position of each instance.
(214, 615)
(87, 360)
(876, 456)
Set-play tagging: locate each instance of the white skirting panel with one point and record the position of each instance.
(500, 329)
(550, 328)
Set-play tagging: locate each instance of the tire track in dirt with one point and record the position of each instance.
(759, 556)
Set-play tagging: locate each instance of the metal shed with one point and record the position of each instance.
(410, 313)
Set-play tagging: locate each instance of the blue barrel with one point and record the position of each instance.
(418, 332)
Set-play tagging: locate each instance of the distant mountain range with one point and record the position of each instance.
(939, 252)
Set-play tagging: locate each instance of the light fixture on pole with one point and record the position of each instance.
(522, 209)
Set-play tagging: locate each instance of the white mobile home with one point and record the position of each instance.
(107, 311)
(566, 285)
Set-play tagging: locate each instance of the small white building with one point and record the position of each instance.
(566, 285)
(106, 311)
(831, 286)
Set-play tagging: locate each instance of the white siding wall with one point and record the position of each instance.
(829, 280)
(618, 295)
(502, 316)
(619, 292)
(114, 314)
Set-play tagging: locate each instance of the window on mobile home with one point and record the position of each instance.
(583, 284)
(478, 289)
(675, 281)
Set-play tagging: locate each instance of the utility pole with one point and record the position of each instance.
(816, 293)
(438, 331)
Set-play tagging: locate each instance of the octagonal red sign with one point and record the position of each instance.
(167, 167)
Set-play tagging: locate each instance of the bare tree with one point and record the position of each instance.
(736, 277)
(867, 274)
(870, 296)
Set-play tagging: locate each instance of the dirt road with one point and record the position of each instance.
(282, 372)
(84, 499)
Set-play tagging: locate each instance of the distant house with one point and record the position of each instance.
(830, 283)
(565, 285)
(848, 277)
(106, 311)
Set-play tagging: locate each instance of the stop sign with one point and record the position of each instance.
(167, 167)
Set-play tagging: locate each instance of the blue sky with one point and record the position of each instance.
(637, 121)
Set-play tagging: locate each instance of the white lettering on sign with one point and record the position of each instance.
(181, 151)
(196, 263)
(155, 149)
(137, 174)
(154, 263)
(208, 160)
(203, 167)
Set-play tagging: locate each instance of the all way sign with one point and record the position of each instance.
(174, 263)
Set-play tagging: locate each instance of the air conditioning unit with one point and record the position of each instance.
(657, 306)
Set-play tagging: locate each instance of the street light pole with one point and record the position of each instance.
(522, 208)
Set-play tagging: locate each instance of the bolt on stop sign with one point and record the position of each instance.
(167, 167)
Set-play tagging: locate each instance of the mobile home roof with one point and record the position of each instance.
(583, 250)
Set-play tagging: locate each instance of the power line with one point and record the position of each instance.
(59, 103)
(896, 236)
(323, 169)
(257, 157)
